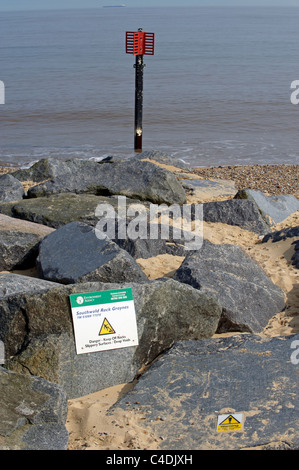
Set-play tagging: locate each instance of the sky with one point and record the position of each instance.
(8, 5)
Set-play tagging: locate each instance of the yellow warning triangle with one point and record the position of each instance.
(106, 328)
(230, 420)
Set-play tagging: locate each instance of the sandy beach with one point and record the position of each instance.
(90, 425)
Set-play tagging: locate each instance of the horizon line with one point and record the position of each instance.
(149, 7)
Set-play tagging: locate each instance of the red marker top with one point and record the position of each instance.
(140, 43)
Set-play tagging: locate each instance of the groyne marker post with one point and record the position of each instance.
(139, 44)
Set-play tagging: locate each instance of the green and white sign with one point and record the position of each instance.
(104, 320)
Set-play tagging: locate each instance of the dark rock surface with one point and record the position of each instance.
(248, 297)
(19, 241)
(18, 250)
(136, 179)
(12, 284)
(240, 212)
(45, 169)
(274, 209)
(16, 292)
(74, 253)
(60, 209)
(33, 413)
(182, 394)
(10, 188)
(36, 328)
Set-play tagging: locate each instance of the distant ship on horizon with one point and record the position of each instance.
(114, 6)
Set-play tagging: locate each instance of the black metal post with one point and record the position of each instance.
(138, 103)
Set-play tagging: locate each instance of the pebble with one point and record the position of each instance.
(270, 179)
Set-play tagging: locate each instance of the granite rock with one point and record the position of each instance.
(33, 413)
(74, 253)
(274, 209)
(16, 293)
(248, 297)
(240, 212)
(37, 331)
(60, 209)
(135, 179)
(10, 188)
(19, 241)
(182, 394)
(44, 169)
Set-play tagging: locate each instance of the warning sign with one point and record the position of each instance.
(229, 422)
(104, 320)
(106, 328)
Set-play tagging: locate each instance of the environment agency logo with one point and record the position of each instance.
(79, 300)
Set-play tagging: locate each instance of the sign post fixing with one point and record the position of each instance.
(139, 44)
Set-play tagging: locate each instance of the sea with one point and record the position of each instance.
(217, 91)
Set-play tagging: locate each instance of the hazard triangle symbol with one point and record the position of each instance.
(106, 328)
(230, 420)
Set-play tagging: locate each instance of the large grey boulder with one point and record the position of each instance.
(44, 169)
(182, 394)
(19, 241)
(274, 209)
(248, 297)
(44, 345)
(75, 175)
(33, 413)
(10, 188)
(17, 250)
(15, 293)
(60, 209)
(135, 179)
(240, 212)
(74, 253)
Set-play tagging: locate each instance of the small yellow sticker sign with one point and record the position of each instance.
(229, 422)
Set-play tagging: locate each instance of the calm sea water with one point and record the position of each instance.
(217, 91)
